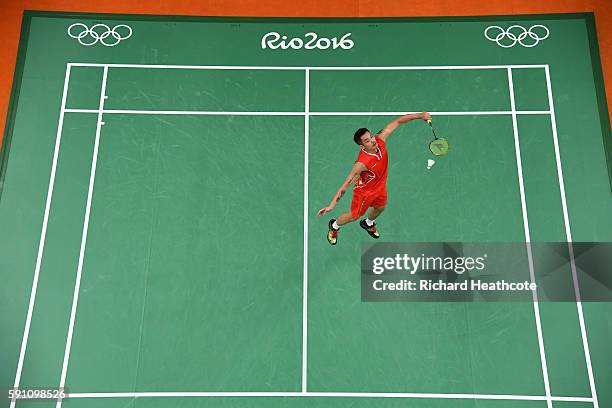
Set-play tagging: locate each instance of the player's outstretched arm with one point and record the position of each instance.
(394, 124)
(350, 179)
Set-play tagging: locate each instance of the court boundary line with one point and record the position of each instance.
(568, 235)
(302, 68)
(101, 111)
(407, 395)
(77, 285)
(295, 113)
(527, 232)
(306, 219)
(43, 234)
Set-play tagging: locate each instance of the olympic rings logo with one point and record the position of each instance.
(102, 33)
(517, 34)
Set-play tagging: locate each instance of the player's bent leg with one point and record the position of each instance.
(345, 218)
(359, 206)
(375, 212)
(377, 206)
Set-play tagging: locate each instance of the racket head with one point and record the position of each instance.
(439, 147)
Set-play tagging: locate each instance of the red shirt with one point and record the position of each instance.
(374, 179)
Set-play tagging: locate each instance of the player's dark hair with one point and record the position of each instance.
(360, 132)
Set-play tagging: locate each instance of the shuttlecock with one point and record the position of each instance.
(430, 163)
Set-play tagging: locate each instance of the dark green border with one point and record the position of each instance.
(588, 17)
(13, 102)
(600, 90)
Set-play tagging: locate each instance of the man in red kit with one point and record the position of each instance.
(370, 171)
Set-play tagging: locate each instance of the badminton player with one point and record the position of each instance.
(370, 172)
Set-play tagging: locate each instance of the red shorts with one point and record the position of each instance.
(362, 200)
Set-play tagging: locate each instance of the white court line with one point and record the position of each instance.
(263, 113)
(536, 307)
(532, 112)
(302, 68)
(327, 395)
(96, 111)
(441, 113)
(306, 218)
(568, 233)
(77, 284)
(43, 234)
(168, 112)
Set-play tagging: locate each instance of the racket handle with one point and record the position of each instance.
(429, 121)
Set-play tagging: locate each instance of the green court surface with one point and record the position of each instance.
(160, 245)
